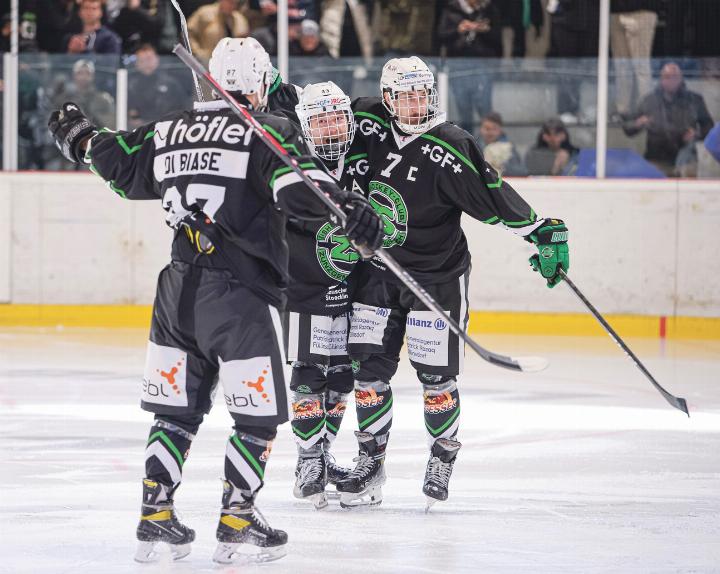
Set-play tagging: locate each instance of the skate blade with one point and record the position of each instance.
(320, 500)
(369, 497)
(333, 495)
(429, 502)
(146, 551)
(226, 553)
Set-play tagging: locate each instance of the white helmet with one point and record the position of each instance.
(417, 110)
(242, 65)
(326, 119)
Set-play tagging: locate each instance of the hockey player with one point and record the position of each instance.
(215, 315)
(321, 264)
(425, 172)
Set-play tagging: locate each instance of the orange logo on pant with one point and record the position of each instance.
(439, 403)
(170, 376)
(370, 398)
(258, 385)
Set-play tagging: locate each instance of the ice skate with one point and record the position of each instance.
(438, 471)
(158, 523)
(243, 534)
(311, 478)
(335, 473)
(363, 485)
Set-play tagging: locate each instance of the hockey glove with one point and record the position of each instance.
(551, 240)
(363, 226)
(70, 128)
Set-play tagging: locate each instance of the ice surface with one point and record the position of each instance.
(580, 468)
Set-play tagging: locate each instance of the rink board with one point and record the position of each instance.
(480, 321)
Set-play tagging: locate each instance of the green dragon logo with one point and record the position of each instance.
(389, 205)
(334, 252)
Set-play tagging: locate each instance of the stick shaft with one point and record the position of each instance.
(677, 402)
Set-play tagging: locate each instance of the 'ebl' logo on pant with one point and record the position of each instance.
(165, 376)
(249, 386)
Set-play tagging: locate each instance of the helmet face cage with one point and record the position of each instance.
(414, 110)
(328, 125)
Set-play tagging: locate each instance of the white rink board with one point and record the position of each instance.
(643, 247)
(581, 468)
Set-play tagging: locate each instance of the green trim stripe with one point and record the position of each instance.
(276, 83)
(497, 184)
(283, 170)
(355, 157)
(310, 432)
(492, 220)
(450, 148)
(274, 133)
(533, 219)
(168, 443)
(450, 421)
(332, 427)
(378, 119)
(249, 457)
(131, 150)
(378, 414)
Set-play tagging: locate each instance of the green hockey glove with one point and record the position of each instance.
(551, 240)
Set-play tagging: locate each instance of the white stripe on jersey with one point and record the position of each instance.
(292, 177)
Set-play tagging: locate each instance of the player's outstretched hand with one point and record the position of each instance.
(363, 225)
(70, 128)
(551, 240)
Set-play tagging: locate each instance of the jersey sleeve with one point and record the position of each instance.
(476, 188)
(289, 193)
(125, 161)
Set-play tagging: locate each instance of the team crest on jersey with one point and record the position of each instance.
(389, 205)
(334, 252)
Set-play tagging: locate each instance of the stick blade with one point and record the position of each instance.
(522, 364)
(532, 364)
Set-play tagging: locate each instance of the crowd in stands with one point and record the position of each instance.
(672, 117)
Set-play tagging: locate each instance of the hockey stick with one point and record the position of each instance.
(526, 364)
(186, 41)
(677, 402)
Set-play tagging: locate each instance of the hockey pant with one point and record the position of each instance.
(208, 328)
(385, 314)
(321, 377)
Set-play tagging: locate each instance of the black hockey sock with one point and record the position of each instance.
(245, 459)
(442, 409)
(373, 402)
(167, 449)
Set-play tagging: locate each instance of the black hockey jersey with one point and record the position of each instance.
(205, 160)
(420, 185)
(321, 256)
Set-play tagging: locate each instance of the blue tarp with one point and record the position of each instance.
(619, 163)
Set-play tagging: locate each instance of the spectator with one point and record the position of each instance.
(298, 10)
(517, 18)
(5, 35)
(152, 92)
(53, 23)
(674, 118)
(471, 28)
(406, 26)
(553, 154)
(497, 149)
(309, 42)
(97, 105)
(632, 29)
(136, 25)
(573, 34)
(94, 37)
(345, 28)
(211, 23)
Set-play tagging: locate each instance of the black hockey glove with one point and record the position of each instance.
(69, 128)
(363, 225)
